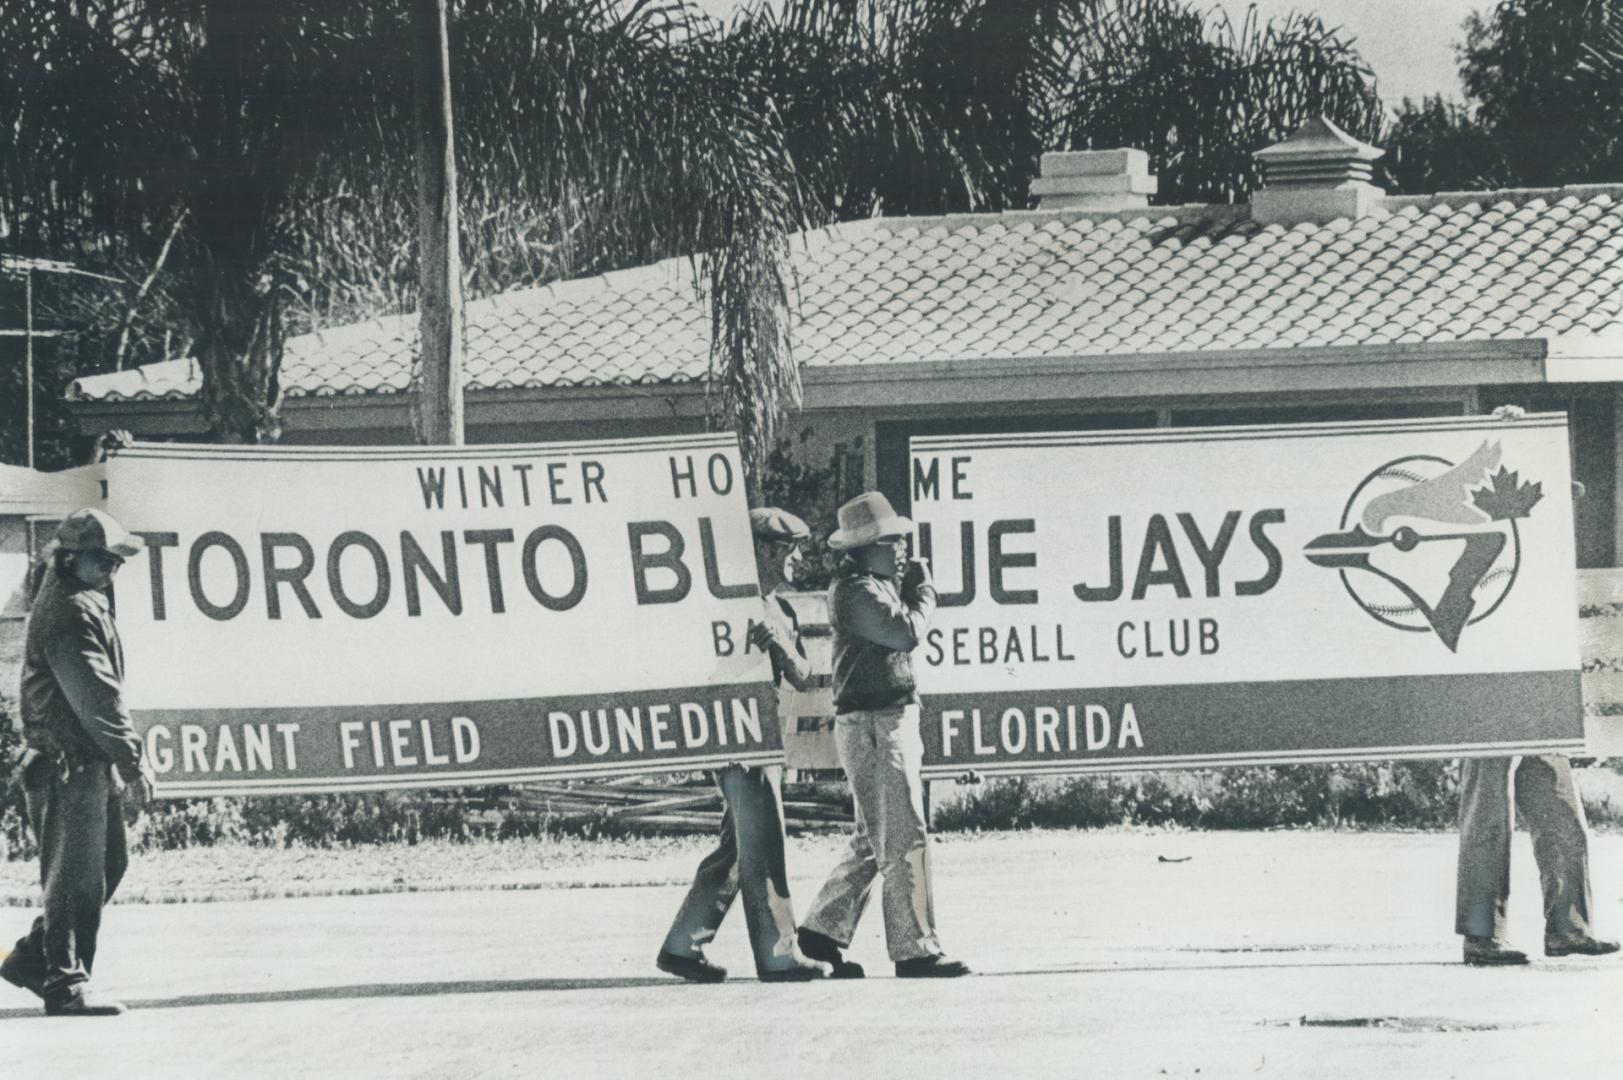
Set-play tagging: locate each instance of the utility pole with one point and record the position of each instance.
(437, 405)
(28, 361)
(25, 268)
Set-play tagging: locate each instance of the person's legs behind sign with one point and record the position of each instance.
(748, 859)
(706, 904)
(1482, 885)
(1542, 789)
(1547, 797)
(756, 798)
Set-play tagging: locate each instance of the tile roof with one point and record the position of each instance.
(1447, 268)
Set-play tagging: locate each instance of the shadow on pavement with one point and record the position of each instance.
(1258, 965)
(512, 986)
(376, 990)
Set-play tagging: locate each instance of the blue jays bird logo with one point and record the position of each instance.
(1428, 545)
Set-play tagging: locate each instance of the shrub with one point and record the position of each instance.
(187, 823)
(370, 818)
(1416, 794)
(16, 842)
(395, 817)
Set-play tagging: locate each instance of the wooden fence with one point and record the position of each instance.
(1600, 628)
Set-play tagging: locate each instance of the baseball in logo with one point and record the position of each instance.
(1430, 546)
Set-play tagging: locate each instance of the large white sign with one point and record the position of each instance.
(325, 619)
(1243, 595)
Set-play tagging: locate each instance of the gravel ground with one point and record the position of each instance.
(238, 872)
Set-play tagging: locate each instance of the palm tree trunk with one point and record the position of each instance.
(235, 191)
(239, 349)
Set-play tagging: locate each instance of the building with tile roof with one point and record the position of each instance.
(1323, 298)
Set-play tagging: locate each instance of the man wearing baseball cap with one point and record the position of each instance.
(82, 752)
(749, 857)
(879, 605)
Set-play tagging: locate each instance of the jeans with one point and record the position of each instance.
(78, 821)
(882, 753)
(748, 858)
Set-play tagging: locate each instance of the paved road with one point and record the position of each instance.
(1264, 954)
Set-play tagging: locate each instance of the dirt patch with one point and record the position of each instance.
(1414, 1025)
(1309, 947)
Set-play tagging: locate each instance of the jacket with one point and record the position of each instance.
(73, 672)
(877, 625)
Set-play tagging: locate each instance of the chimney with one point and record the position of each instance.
(1319, 174)
(1094, 180)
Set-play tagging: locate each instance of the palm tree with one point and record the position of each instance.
(904, 106)
(925, 106)
(614, 135)
(134, 124)
(1546, 80)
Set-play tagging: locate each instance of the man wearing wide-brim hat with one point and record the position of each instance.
(879, 607)
(82, 752)
(749, 858)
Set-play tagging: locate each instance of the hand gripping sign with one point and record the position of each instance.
(315, 619)
(1248, 595)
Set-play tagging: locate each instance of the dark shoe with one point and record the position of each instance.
(931, 967)
(1577, 945)
(1486, 952)
(691, 968)
(81, 1002)
(26, 973)
(817, 946)
(801, 969)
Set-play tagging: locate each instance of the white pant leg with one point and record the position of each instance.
(901, 841)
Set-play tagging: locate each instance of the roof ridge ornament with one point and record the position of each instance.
(1118, 179)
(1318, 174)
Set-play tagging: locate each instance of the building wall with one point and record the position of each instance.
(1592, 417)
(15, 555)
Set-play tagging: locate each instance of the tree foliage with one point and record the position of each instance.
(137, 126)
(1544, 76)
(1200, 93)
(1544, 103)
(1439, 145)
(887, 101)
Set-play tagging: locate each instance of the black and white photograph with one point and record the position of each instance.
(1125, 494)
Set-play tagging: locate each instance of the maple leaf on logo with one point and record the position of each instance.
(1509, 497)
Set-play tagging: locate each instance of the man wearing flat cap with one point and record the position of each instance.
(749, 857)
(82, 752)
(879, 606)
